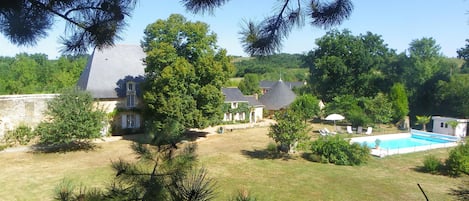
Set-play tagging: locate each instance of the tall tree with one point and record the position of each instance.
(266, 37)
(89, 23)
(452, 96)
(463, 53)
(425, 55)
(422, 74)
(184, 75)
(399, 102)
(347, 64)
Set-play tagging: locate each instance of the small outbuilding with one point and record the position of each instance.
(442, 125)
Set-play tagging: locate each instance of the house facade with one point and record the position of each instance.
(241, 108)
(442, 125)
(113, 77)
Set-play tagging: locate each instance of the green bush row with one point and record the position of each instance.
(456, 164)
(337, 150)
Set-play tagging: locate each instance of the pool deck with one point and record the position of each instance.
(382, 152)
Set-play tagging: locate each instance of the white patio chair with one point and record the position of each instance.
(349, 130)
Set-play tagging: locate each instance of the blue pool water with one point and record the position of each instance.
(403, 143)
(417, 138)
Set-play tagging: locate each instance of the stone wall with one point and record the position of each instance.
(22, 109)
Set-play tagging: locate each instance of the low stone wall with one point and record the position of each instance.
(22, 109)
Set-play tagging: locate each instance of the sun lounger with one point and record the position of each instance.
(349, 130)
(359, 130)
(323, 132)
(369, 130)
(329, 132)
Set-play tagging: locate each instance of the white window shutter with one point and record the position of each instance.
(137, 121)
(124, 121)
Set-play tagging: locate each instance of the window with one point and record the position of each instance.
(446, 125)
(130, 92)
(130, 100)
(234, 105)
(441, 124)
(130, 121)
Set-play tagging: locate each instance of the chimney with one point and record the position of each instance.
(256, 96)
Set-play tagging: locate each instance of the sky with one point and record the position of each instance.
(398, 22)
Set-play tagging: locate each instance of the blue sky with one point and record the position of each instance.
(397, 21)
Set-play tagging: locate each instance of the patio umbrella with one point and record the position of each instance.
(334, 117)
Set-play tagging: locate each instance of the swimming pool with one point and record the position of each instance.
(406, 142)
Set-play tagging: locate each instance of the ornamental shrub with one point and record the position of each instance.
(21, 135)
(73, 119)
(458, 160)
(432, 164)
(337, 150)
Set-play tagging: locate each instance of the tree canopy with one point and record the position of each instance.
(250, 84)
(307, 106)
(288, 131)
(184, 75)
(347, 64)
(35, 73)
(89, 23)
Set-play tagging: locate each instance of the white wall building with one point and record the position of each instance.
(441, 125)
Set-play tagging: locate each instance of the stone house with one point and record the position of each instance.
(239, 107)
(113, 77)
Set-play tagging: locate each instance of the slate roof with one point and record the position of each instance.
(233, 94)
(278, 97)
(253, 101)
(269, 84)
(109, 69)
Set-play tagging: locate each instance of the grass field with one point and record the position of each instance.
(237, 161)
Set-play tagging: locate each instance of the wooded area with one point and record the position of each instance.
(35, 73)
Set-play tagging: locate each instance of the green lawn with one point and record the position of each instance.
(236, 160)
(241, 166)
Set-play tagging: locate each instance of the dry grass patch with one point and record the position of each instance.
(33, 176)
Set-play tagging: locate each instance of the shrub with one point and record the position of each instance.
(21, 135)
(272, 148)
(74, 119)
(3, 147)
(458, 160)
(431, 164)
(337, 150)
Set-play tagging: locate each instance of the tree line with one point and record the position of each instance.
(35, 73)
(363, 66)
